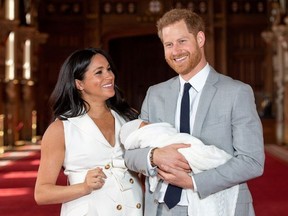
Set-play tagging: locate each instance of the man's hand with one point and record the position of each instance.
(169, 156)
(172, 165)
(176, 177)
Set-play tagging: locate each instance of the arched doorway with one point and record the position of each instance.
(140, 62)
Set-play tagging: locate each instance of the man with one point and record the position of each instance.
(222, 113)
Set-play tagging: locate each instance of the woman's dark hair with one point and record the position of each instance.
(66, 100)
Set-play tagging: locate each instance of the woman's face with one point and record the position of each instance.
(98, 83)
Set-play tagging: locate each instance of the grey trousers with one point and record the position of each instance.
(163, 210)
(241, 210)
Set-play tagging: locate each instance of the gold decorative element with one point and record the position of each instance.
(2, 134)
(34, 127)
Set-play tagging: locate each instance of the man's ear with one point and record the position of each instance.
(200, 38)
(78, 84)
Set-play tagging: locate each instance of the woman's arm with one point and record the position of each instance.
(52, 158)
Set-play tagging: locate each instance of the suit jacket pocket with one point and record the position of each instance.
(215, 121)
(216, 130)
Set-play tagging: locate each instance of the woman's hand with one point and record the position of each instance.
(95, 179)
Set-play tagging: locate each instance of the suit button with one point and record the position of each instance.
(131, 180)
(119, 207)
(107, 166)
(138, 205)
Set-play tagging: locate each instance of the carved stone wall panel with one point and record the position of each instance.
(285, 133)
(101, 23)
(246, 51)
(27, 107)
(12, 104)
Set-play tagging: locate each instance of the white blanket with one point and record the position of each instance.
(200, 157)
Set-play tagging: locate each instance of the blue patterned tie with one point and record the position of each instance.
(173, 193)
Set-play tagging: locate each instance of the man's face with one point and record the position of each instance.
(182, 51)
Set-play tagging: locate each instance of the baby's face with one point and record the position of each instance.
(143, 123)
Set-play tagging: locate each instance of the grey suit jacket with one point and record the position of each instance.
(227, 118)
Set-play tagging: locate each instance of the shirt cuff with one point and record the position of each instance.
(151, 169)
(194, 184)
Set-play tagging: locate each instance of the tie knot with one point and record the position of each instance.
(187, 86)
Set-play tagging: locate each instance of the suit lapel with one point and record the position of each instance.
(206, 97)
(171, 101)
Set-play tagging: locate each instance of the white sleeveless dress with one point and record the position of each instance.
(87, 148)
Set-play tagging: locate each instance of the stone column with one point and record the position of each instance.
(12, 106)
(277, 38)
(28, 88)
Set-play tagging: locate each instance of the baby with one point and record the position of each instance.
(140, 134)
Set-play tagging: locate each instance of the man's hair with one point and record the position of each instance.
(193, 21)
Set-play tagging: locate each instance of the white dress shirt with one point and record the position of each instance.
(197, 82)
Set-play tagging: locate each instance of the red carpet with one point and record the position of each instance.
(17, 179)
(270, 191)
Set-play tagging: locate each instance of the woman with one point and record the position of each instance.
(84, 140)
